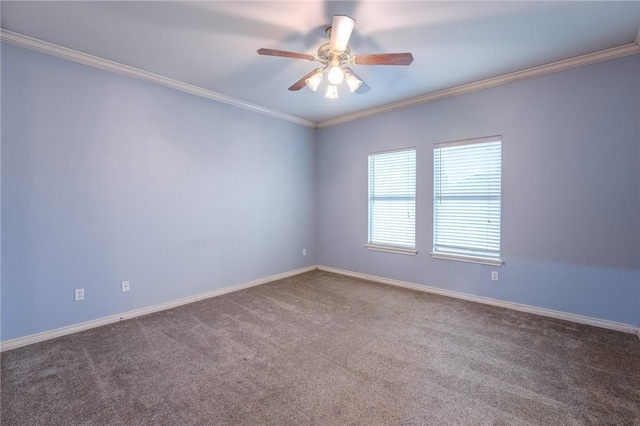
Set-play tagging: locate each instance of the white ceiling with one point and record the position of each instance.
(213, 45)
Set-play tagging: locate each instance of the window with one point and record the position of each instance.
(392, 201)
(467, 200)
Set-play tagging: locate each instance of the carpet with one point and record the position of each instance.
(325, 349)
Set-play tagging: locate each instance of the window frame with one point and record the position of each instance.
(452, 255)
(387, 247)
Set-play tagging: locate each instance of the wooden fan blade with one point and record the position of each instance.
(341, 30)
(363, 87)
(285, 54)
(301, 83)
(384, 59)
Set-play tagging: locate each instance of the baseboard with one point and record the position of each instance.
(612, 325)
(63, 331)
(75, 328)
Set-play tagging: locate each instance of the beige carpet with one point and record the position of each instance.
(325, 349)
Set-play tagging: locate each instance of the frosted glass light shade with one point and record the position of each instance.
(314, 81)
(332, 92)
(335, 75)
(352, 81)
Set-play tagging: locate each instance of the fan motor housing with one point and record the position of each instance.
(326, 56)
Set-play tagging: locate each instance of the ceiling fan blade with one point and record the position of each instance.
(285, 54)
(363, 86)
(384, 59)
(301, 83)
(341, 30)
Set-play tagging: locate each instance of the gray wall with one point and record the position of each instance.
(107, 178)
(571, 190)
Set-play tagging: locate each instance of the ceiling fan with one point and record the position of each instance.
(334, 56)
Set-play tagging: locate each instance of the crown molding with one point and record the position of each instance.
(567, 64)
(105, 64)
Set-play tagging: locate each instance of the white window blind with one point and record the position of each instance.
(392, 200)
(467, 200)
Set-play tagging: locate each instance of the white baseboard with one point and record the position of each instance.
(612, 325)
(63, 331)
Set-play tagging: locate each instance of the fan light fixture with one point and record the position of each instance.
(314, 81)
(335, 75)
(334, 56)
(353, 82)
(332, 92)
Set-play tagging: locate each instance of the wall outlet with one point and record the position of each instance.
(494, 275)
(126, 286)
(304, 252)
(79, 294)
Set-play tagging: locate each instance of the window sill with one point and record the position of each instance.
(390, 249)
(468, 259)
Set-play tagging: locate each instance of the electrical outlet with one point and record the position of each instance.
(79, 294)
(494, 275)
(126, 286)
(304, 252)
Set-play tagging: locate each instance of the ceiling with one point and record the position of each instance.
(213, 44)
